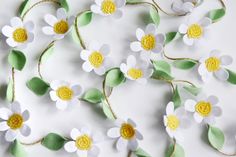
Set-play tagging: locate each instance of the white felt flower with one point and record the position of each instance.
(96, 58)
(137, 70)
(213, 64)
(19, 34)
(58, 26)
(174, 121)
(184, 6)
(108, 7)
(194, 32)
(14, 122)
(83, 143)
(204, 110)
(126, 134)
(148, 42)
(65, 94)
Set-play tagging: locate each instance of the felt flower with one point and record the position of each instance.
(58, 26)
(213, 64)
(108, 7)
(184, 6)
(65, 94)
(137, 70)
(14, 122)
(174, 121)
(194, 32)
(19, 34)
(148, 41)
(83, 143)
(96, 58)
(126, 134)
(204, 110)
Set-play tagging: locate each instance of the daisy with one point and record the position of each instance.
(148, 41)
(194, 32)
(65, 94)
(126, 134)
(174, 121)
(136, 70)
(19, 34)
(96, 58)
(58, 26)
(108, 7)
(204, 110)
(184, 6)
(83, 143)
(212, 64)
(14, 122)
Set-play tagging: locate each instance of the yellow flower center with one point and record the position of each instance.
(61, 27)
(64, 93)
(127, 131)
(108, 7)
(135, 73)
(173, 122)
(96, 59)
(15, 121)
(195, 31)
(148, 42)
(203, 108)
(83, 142)
(20, 35)
(212, 64)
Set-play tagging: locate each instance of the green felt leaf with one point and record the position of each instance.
(154, 16)
(141, 153)
(176, 98)
(23, 7)
(93, 96)
(17, 59)
(178, 151)
(216, 137)
(162, 66)
(171, 36)
(193, 90)
(38, 86)
(184, 64)
(64, 4)
(9, 94)
(47, 52)
(160, 75)
(232, 77)
(85, 18)
(53, 141)
(107, 111)
(114, 77)
(216, 14)
(17, 149)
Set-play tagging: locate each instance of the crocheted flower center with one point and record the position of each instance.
(212, 64)
(108, 7)
(135, 73)
(96, 59)
(83, 142)
(15, 121)
(61, 27)
(173, 122)
(148, 42)
(203, 108)
(195, 31)
(20, 35)
(65, 93)
(127, 131)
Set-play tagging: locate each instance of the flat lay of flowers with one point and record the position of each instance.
(139, 67)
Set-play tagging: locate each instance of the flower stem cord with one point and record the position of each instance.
(178, 58)
(138, 3)
(33, 143)
(13, 85)
(174, 148)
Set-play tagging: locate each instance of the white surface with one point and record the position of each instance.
(144, 104)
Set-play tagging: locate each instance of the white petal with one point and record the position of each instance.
(139, 34)
(25, 130)
(139, 135)
(160, 38)
(73, 102)
(118, 14)
(183, 28)
(81, 153)
(158, 48)
(77, 89)
(130, 121)
(190, 105)
(61, 105)
(4, 126)
(61, 14)
(131, 61)
(165, 120)
(70, 147)
(188, 7)
(197, 117)
(215, 53)
(5, 113)
(95, 9)
(188, 41)
(151, 29)
(87, 67)
(144, 55)
(133, 144)
(136, 46)
(75, 133)
(170, 132)
(123, 68)
(58, 36)
(213, 99)
(53, 96)
(94, 151)
(100, 71)
(94, 46)
(85, 130)
(57, 83)
(11, 135)
(48, 30)
(206, 77)
(71, 21)
(50, 19)
(84, 54)
(98, 2)
(177, 7)
(29, 25)
(105, 49)
(119, 122)
(26, 115)
(11, 42)
(121, 144)
(216, 111)
(16, 22)
(170, 108)
(202, 69)
(7, 31)
(222, 74)
(205, 22)
(210, 120)
(226, 60)
(120, 3)
(185, 123)
(30, 37)
(15, 107)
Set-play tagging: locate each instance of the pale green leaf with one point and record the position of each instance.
(216, 137)
(53, 141)
(171, 36)
(23, 7)
(17, 59)
(114, 77)
(9, 94)
(38, 86)
(93, 96)
(162, 66)
(64, 4)
(175, 151)
(107, 111)
(155, 16)
(184, 64)
(193, 90)
(141, 153)
(216, 14)
(232, 77)
(85, 18)
(160, 75)
(17, 149)
(176, 98)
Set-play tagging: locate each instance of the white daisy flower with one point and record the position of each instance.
(126, 134)
(19, 34)
(14, 122)
(65, 94)
(108, 7)
(136, 70)
(174, 121)
(96, 58)
(84, 143)
(184, 6)
(194, 32)
(148, 41)
(204, 110)
(58, 26)
(213, 64)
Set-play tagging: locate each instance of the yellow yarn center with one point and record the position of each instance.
(83, 142)
(203, 108)
(173, 122)
(212, 64)
(61, 27)
(127, 131)
(148, 42)
(65, 93)
(135, 73)
(96, 59)
(195, 31)
(15, 121)
(20, 35)
(108, 7)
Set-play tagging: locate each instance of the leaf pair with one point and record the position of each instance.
(175, 151)
(162, 71)
(38, 86)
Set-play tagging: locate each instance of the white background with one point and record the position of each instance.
(144, 104)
